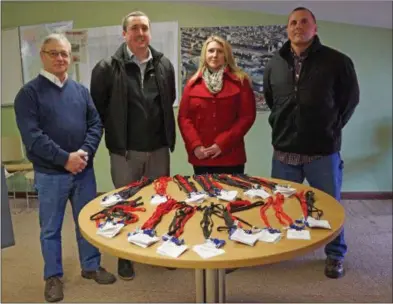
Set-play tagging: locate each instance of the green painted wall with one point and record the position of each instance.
(367, 139)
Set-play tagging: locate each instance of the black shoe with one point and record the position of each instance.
(230, 270)
(171, 268)
(101, 276)
(53, 290)
(125, 269)
(334, 269)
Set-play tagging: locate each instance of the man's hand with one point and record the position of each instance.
(86, 157)
(200, 152)
(76, 162)
(213, 151)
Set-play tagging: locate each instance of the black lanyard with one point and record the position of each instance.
(257, 180)
(181, 217)
(185, 184)
(310, 199)
(226, 179)
(207, 223)
(134, 188)
(242, 208)
(207, 185)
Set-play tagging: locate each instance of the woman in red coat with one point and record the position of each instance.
(216, 111)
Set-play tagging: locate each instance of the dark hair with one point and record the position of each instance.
(133, 14)
(301, 8)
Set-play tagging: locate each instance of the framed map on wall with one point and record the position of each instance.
(252, 46)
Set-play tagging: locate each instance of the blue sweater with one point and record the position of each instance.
(55, 121)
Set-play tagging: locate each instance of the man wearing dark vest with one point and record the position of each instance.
(312, 91)
(134, 91)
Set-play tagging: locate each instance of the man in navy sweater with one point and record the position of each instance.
(61, 130)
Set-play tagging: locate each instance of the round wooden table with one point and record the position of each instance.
(210, 273)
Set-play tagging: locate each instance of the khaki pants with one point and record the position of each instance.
(138, 164)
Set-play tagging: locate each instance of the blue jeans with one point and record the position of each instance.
(324, 174)
(53, 193)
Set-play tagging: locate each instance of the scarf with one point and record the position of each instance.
(214, 80)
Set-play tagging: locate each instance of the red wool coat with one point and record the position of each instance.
(223, 118)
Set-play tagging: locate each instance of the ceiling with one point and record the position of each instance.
(367, 13)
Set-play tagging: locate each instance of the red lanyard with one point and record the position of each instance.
(160, 185)
(277, 204)
(262, 211)
(215, 183)
(303, 203)
(160, 211)
(280, 214)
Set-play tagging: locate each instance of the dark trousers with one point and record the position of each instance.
(239, 169)
(324, 174)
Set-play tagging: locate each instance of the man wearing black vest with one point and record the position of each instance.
(134, 91)
(312, 91)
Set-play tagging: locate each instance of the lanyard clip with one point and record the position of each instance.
(216, 242)
(149, 232)
(297, 228)
(272, 230)
(172, 239)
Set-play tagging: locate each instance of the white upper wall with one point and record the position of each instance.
(366, 13)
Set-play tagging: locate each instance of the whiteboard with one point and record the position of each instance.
(31, 38)
(102, 42)
(11, 66)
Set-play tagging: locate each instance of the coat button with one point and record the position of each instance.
(214, 114)
(213, 101)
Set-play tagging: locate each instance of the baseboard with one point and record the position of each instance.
(344, 195)
(367, 195)
(20, 194)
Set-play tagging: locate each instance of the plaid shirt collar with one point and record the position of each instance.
(302, 56)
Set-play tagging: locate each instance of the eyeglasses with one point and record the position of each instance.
(55, 54)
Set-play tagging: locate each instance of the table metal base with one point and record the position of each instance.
(210, 285)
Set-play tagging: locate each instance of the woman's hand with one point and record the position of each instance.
(213, 151)
(200, 152)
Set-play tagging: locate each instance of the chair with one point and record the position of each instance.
(14, 161)
(11, 149)
(30, 189)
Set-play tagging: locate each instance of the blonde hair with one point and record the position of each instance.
(229, 59)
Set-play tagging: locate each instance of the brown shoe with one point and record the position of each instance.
(101, 276)
(53, 289)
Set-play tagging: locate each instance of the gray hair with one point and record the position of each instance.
(55, 37)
